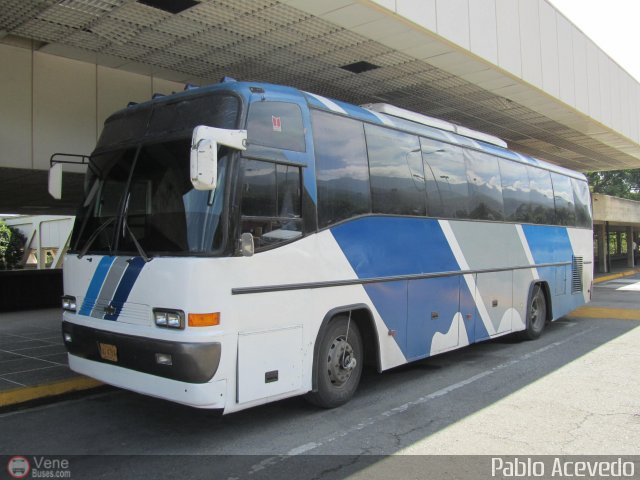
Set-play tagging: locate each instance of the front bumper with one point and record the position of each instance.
(191, 362)
(211, 395)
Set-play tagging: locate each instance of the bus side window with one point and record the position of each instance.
(446, 179)
(542, 205)
(271, 202)
(277, 125)
(563, 196)
(515, 191)
(342, 169)
(485, 186)
(582, 201)
(397, 174)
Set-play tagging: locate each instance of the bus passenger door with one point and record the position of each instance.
(433, 316)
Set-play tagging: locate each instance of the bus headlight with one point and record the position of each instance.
(69, 303)
(167, 318)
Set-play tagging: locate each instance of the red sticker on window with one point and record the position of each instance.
(277, 125)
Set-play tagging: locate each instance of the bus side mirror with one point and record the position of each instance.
(204, 153)
(55, 170)
(55, 181)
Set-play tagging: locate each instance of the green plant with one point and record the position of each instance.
(12, 243)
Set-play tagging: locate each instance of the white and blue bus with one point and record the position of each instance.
(244, 242)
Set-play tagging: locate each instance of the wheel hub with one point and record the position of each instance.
(535, 313)
(340, 361)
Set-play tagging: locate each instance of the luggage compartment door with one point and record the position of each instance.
(269, 363)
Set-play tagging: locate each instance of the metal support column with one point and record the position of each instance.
(602, 248)
(630, 250)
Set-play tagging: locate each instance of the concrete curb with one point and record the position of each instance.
(613, 276)
(26, 394)
(605, 312)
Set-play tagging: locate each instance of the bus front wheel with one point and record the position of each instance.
(339, 364)
(536, 314)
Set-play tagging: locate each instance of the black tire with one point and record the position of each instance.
(536, 314)
(337, 377)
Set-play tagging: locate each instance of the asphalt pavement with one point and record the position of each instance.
(574, 391)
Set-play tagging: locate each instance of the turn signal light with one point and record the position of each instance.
(204, 319)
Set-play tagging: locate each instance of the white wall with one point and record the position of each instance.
(532, 41)
(53, 104)
(15, 107)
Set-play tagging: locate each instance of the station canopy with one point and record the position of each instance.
(268, 40)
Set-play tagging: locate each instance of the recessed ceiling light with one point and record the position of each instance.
(171, 6)
(359, 67)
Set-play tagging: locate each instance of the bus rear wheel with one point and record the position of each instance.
(536, 314)
(339, 365)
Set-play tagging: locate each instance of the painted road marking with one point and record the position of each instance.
(605, 312)
(631, 287)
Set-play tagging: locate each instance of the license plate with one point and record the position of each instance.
(108, 352)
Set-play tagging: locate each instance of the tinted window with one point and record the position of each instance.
(341, 168)
(259, 189)
(583, 203)
(515, 191)
(446, 179)
(164, 212)
(542, 205)
(563, 195)
(270, 202)
(214, 111)
(485, 186)
(103, 200)
(397, 175)
(277, 125)
(289, 195)
(184, 115)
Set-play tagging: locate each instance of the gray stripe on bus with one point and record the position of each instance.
(482, 244)
(109, 286)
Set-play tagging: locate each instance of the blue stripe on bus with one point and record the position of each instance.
(432, 308)
(96, 284)
(475, 326)
(400, 246)
(548, 244)
(125, 286)
(552, 244)
(404, 246)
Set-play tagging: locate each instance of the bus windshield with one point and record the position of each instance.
(146, 194)
(138, 182)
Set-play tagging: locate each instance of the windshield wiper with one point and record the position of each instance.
(94, 235)
(141, 251)
(127, 228)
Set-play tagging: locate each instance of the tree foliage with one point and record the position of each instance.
(12, 243)
(617, 183)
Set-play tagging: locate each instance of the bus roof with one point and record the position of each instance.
(381, 114)
(436, 129)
